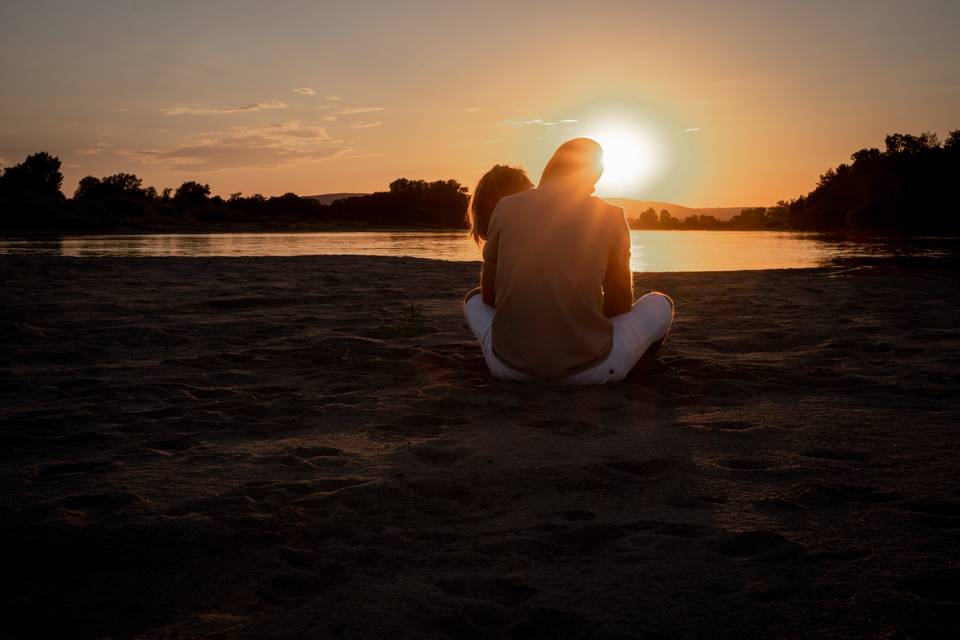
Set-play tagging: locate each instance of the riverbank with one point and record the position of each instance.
(261, 447)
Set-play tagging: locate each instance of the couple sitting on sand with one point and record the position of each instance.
(556, 295)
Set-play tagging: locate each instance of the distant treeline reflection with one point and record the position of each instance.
(909, 187)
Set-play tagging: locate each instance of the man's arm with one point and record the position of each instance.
(618, 281)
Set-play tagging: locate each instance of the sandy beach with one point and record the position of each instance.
(312, 447)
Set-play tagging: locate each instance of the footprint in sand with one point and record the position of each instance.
(441, 455)
(316, 452)
(751, 543)
(444, 489)
(576, 515)
(726, 425)
(65, 468)
(743, 464)
(92, 501)
(493, 588)
(840, 455)
(533, 548)
(947, 508)
(942, 585)
(293, 584)
(642, 468)
(565, 426)
(835, 495)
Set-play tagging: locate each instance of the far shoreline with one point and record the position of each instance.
(823, 236)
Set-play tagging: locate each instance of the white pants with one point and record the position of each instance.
(633, 332)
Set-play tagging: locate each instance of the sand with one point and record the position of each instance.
(312, 447)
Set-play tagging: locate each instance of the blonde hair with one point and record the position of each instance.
(497, 183)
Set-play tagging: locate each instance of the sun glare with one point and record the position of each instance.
(631, 159)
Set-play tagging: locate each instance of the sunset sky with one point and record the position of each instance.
(733, 103)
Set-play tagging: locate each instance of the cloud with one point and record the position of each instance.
(520, 122)
(334, 98)
(346, 111)
(472, 109)
(205, 110)
(329, 118)
(305, 91)
(267, 147)
(526, 122)
(357, 156)
(94, 150)
(691, 130)
(483, 141)
(365, 125)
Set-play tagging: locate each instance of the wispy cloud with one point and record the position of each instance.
(356, 156)
(473, 109)
(208, 110)
(526, 122)
(346, 111)
(268, 146)
(305, 91)
(365, 125)
(334, 98)
(691, 130)
(94, 149)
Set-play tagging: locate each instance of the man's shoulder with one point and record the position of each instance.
(602, 205)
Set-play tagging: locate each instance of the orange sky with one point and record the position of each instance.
(747, 105)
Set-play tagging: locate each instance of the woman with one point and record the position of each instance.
(497, 183)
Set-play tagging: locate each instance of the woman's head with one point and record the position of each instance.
(577, 162)
(499, 182)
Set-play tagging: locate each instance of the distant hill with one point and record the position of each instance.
(633, 209)
(330, 198)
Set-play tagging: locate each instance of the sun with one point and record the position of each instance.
(632, 158)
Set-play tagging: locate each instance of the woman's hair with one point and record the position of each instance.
(497, 183)
(578, 161)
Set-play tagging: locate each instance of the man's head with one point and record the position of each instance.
(577, 162)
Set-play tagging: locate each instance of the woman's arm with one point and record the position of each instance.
(488, 283)
(491, 253)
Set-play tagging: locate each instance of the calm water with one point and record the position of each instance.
(652, 250)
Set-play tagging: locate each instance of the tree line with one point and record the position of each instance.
(749, 219)
(31, 200)
(907, 188)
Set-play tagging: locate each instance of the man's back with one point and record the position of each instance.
(551, 249)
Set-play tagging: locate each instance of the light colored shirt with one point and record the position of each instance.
(551, 247)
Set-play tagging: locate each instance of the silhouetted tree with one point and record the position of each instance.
(38, 175)
(192, 193)
(119, 185)
(649, 218)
